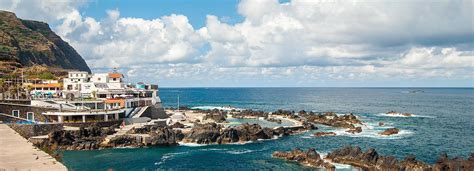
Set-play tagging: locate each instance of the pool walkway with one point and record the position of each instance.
(16, 153)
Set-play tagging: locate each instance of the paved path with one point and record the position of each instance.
(16, 153)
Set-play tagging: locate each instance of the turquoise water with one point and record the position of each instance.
(443, 122)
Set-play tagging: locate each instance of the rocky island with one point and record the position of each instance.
(390, 131)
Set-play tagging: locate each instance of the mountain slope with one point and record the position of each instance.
(32, 42)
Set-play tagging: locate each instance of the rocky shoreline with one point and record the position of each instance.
(348, 121)
(94, 137)
(309, 158)
(371, 160)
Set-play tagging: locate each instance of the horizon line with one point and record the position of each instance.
(310, 87)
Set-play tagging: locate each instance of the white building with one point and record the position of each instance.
(104, 95)
(72, 85)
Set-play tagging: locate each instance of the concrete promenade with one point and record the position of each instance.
(16, 153)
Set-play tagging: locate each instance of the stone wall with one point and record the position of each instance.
(7, 108)
(101, 124)
(31, 130)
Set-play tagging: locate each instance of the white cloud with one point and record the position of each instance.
(432, 58)
(43, 10)
(122, 42)
(329, 33)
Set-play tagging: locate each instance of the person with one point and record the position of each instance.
(122, 125)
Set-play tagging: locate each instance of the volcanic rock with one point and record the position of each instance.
(371, 160)
(390, 131)
(310, 158)
(454, 164)
(355, 130)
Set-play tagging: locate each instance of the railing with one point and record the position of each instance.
(84, 112)
(140, 112)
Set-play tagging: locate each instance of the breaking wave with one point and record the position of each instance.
(167, 156)
(403, 116)
(240, 151)
(215, 107)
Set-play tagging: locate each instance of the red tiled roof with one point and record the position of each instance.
(52, 85)
(115, 75)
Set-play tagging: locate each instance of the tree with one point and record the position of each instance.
(46, 76)
(13, 91)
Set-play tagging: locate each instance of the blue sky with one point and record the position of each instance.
(196, 11)
(269, 43)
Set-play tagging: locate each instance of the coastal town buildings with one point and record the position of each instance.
(86, 97)
(44, 89)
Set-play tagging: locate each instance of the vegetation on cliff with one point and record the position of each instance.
(25, 43)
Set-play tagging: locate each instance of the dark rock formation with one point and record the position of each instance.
(32, 42)
(320, 134)
(308, 126)
(278, 121)
(86, 138)
(309, 158)
(331, 119)
(249, 113)
(146, 136)
(286, 113)
(371, 160)
(164, 137)
(390, 131)
(203, 133)
(454, 164)
(124, 141)
(213, 133)
(177, 125)
(215, 115)
(355, 130)
(281, 131)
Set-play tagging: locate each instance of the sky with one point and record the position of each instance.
(268, 43)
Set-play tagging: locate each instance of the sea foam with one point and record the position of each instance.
(399, 115)
(214, 107)
(372, 130)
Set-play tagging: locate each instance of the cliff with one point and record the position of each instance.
(26, 43)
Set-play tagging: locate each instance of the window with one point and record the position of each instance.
(98, 79)
(30, 116)
(115, 79)
(16, 113)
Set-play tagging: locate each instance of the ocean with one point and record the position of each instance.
(443, 121)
